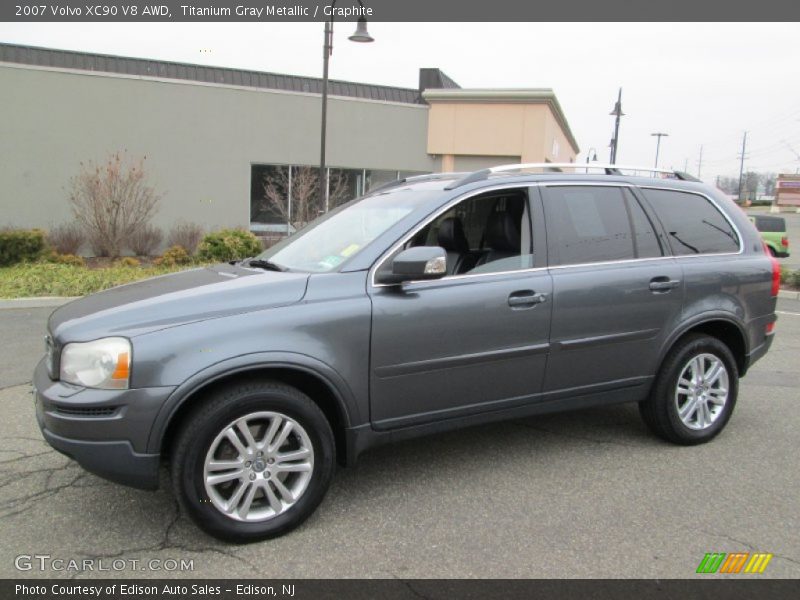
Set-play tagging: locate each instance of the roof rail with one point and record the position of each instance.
(415, 179)
(609, 169)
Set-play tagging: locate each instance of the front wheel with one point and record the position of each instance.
(253, 462)
(694, 393)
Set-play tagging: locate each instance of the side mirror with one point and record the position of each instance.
(414, 264)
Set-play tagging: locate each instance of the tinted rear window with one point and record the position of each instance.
(694, 225)
(595, 224)
(770, 224)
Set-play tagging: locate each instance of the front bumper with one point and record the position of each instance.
(105, 431)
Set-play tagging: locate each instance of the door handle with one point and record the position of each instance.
(525, 298)
(663, 284)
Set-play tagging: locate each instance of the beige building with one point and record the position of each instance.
(474, 128)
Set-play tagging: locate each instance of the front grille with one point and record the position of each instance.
(71, 411)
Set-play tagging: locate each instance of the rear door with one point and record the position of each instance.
(615, 290)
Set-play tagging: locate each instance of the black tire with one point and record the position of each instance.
(772, 252)
(660, 411)
(218, 410)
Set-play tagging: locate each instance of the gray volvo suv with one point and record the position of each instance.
(432, 303)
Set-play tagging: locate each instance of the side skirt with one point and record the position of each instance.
(364, 437)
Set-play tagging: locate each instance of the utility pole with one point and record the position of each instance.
(793, 151)
(686, 165)
(658, 135)
(741, 165)
(617, 112)
(700, 163)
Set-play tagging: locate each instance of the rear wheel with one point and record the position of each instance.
(694, 393)
(254, 462)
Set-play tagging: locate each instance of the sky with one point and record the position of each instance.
(704, 84)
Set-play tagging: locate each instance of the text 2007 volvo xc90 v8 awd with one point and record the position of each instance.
(433, 303)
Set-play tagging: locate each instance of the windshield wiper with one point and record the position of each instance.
(263, 264)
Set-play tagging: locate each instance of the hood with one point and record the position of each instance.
(175, 299)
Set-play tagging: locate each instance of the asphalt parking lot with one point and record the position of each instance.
(586, 494)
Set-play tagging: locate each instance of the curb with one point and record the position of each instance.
(43, 302)
(788, 295)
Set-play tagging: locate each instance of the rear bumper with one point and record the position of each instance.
(758, 352)
(781, 254)
(105, 431)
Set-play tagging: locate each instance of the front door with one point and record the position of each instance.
(476, 340)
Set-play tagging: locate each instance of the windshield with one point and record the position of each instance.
(327, 242)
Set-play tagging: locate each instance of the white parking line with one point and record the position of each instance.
(784, 312)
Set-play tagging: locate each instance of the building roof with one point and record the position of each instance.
(141, 67)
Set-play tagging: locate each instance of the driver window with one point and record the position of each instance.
(488, 233)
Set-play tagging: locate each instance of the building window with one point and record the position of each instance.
(283, 198)
(269, 194)
(344, 185)
(376, 178)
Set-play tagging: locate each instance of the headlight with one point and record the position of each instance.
(104, 364)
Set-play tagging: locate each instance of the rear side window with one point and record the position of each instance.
(694, 225)
(589, 224)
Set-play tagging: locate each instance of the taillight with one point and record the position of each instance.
(770, 328)
(785, 242)
(776, 271)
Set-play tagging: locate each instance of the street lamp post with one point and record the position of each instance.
(360, 35)
(617, 112)
(658, 135)
(591, 154)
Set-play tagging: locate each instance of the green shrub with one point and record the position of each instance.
(229, 244)
(127, 261)
(65, 259)
(794, 279)
(175, 255)
(20, 245)
(786, 274)
(47, 279)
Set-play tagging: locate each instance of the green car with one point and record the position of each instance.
(773, 232)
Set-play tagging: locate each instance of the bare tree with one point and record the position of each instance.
(306, 205)
(751, 182)
(338, 189)
(305, 198)
(186, 235)
(768, 180)
(112, 202)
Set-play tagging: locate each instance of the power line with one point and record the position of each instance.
(762, 126)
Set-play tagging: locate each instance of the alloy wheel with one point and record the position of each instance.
(702, 391)
(258, 466)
